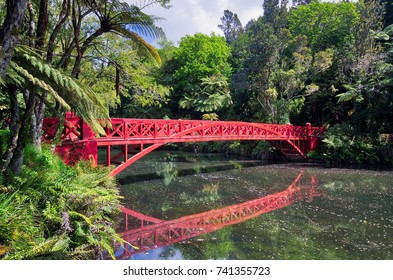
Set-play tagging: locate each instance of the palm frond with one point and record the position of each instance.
(147, 3)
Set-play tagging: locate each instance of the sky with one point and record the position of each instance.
(193, 16)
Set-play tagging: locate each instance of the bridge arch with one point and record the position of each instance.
(80, 142)
(213, 131)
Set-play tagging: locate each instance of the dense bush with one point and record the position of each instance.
(4, 139)
(55, 211)
(342, 145)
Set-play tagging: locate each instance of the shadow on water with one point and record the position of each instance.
(200, 169)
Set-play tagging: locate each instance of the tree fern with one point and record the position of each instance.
(34, 81)
(67, 91)
(128, 21)
(142, 45)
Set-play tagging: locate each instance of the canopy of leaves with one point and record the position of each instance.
(213, 95)
(200, 56)
(324, 24)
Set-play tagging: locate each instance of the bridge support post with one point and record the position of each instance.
(86, 131)
(91, 152)
(108, 155)
(308, 146)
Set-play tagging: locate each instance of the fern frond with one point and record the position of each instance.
(37, 82)
(140, 42)
(80, 98)
(46, 247)
(84, 252)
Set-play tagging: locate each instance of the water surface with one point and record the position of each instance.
(353, 219)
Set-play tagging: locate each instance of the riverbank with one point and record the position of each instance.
(333, 152)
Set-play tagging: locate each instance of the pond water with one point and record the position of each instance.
(350, 215)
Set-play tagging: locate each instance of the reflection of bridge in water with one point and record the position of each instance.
(155, 233)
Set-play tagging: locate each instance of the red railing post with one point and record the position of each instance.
(308, 141)
(87, 132)
(108, 155)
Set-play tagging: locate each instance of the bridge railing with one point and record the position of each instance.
(137, 128)
(76, 129)
(78, 141)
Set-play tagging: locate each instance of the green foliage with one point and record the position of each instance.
(369, 97)
(200, 56)
(213, 95)
(341, 145)
(57, 211)
(4, 140)
(324, 24)
(136, 89)
(198, 73)
(28, 70)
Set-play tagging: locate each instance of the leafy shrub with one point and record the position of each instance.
(56, 211)
(263, 150)
(342, 146)
(4, 140)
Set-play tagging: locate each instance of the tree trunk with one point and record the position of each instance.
(38, 104)
(42, 25)
(76, 24)
(15, 165)
(38, 120)
(9, 34)
(65, 12)
(31, 23)
(66, 57)
(14, 128)
(81, 51)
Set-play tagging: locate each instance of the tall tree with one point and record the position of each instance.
(198, 57)
(324, 24)
(9, 32)
(275, 13)
(231, 26)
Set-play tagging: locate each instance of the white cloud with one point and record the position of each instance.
(193, 16)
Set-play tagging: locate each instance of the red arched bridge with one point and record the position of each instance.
(138, 137)
(154, 233)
